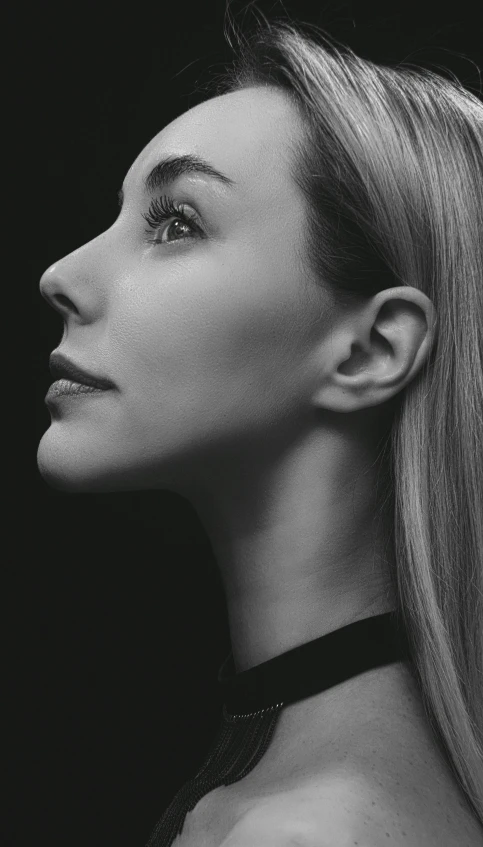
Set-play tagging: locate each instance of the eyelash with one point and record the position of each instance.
(164, 208)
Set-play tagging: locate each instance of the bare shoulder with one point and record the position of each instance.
(382, 783)
(353, 812)
(390, 809)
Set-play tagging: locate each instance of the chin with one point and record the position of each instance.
(82, 466)
(68, 479)
(74, 470)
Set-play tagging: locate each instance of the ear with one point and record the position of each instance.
(373, 353)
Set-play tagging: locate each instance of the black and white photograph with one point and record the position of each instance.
(251, 614)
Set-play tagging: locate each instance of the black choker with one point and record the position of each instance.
(312, 667)
(253, 700)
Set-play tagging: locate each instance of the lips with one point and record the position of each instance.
(62, 368)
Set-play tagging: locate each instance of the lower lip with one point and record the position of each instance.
(67, 388)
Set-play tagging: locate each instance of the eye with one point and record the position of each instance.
(164, 208)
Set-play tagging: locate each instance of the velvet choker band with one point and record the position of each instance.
(253, 700)
(314, 666)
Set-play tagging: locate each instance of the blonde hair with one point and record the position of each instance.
(391, 165)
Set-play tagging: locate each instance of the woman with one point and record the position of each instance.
(294, 344)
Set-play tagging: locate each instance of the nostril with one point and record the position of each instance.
(60, 303)
(63, 301)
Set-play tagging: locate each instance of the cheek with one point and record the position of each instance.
(231, 339)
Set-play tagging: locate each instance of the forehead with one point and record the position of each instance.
(246, 134)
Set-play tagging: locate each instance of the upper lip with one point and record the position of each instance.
(62, 368)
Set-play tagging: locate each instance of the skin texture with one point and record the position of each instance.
(243, 387)
(239, 384)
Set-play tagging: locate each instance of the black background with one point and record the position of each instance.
(120, 619)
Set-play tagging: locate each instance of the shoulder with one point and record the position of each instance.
(346, 811)
(311, 816)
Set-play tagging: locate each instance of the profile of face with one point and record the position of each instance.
(203, 323)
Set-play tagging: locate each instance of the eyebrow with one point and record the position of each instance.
(172, 167)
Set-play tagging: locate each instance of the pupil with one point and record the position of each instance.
(177, 223)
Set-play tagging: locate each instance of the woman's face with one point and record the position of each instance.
(206, 334)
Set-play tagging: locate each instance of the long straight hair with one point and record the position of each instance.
(391, 166)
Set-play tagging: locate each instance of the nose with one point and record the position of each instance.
(53, 289)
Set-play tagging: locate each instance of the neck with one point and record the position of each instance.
(296, 543)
